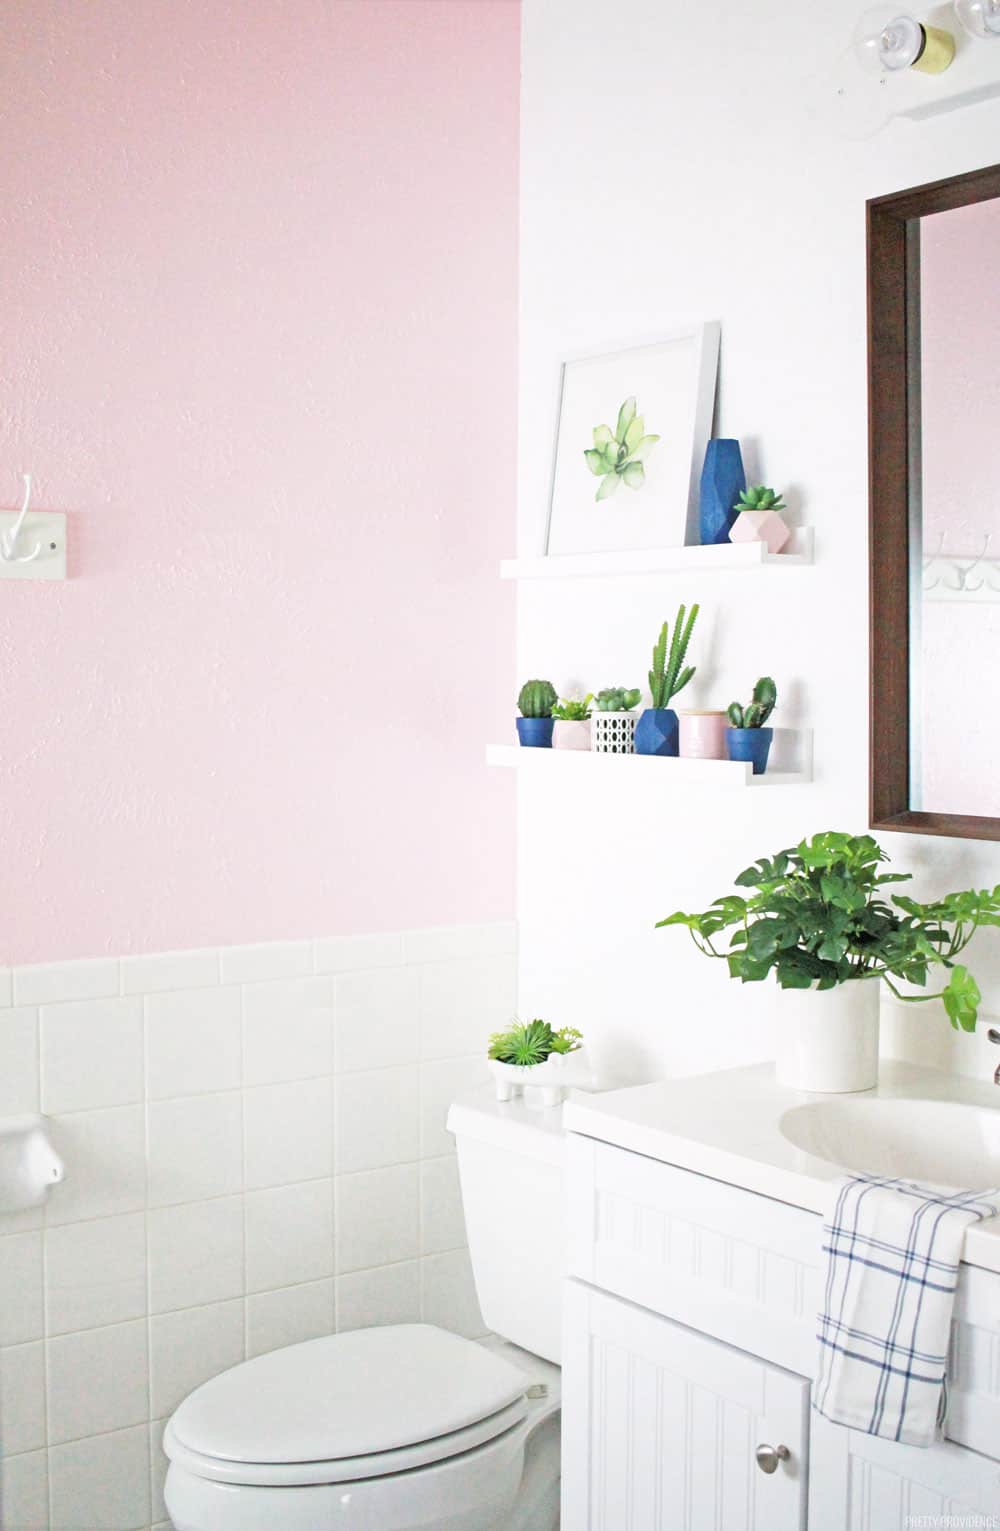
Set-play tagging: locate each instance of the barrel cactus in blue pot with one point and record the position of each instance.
(747, 738)
(535, 703)
(657, 730)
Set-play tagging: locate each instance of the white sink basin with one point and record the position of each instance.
(944, 1143)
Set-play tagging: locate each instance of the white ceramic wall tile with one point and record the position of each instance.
(196, 969)
(187, 1348)
(158, 1465)
(442, 1082)
(271, 959)
(6, 987)
(21, 1311)
(97, 1380)
(22, 1397)
(377, 1119)
(390, 1295)
(289, 1235)
(448, 1294)
(101, 1484)
(91, 1054)
(288, 1133)
(444, 943)
(287, 1030)
(342, 953)
(95, 1273)
(377, 1019)
(442, 1221)
(24, 1491)
(195, 1253)
(50, 983)
(193, 1042)
(106, 1155)
(461, 1003)
(378, 1217)
(195, 1148)
(288, 1317)
(19, 1090)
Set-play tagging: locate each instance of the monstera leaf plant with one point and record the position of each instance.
(617, 456)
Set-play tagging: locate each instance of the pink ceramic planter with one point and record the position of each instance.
(760, 526)
(703, 735)
(571, 734)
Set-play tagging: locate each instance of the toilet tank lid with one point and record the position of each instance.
(535, 1132)
(347, 1395)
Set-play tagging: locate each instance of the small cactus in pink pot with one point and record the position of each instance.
(759, 518)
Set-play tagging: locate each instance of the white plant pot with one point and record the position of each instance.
(613, 733)
(827, 1039)
(571, 734)
(553, 1078)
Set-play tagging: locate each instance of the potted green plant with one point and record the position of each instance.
(535, 703)
(613, 725)
(815, 918)
(747, 738)
(657, 730)
(572, 723)
(759, 518)
(532, 1054)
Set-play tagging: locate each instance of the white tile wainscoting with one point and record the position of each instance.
(255, 1154)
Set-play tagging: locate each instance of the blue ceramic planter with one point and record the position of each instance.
(753, 744)
(722, 479)
(535, 733)
(656, 732)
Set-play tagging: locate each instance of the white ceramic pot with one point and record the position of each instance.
(613, 733)
(571, 735)
(553, 1077)
(827, 1039)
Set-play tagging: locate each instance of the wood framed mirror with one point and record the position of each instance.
(934, 507)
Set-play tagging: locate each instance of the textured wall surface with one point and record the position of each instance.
(257, 337)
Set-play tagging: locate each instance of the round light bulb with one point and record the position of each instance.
(887, 39)
(980, 17)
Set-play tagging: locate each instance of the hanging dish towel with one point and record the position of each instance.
(893, 1249)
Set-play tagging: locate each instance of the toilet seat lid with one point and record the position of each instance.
(347, 1395)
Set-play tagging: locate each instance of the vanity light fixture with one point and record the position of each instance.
(980, 18)
(887, 40)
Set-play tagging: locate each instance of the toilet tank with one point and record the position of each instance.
(512, 1165)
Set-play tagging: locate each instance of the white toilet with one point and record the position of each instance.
(407, 1427)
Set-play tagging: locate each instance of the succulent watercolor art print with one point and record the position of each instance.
(617, 456)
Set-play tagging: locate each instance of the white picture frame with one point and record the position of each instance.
(673, 381)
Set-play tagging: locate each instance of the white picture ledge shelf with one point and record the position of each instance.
(720, 556)
(790, 745)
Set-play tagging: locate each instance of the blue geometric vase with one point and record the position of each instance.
(657, 732)
(722, 479)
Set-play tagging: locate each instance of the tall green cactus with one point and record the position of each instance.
(537, 699)
(667, 676)
(756, 713)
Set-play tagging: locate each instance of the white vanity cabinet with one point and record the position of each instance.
(690, 1343)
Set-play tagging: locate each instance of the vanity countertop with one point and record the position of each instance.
(728, 1125)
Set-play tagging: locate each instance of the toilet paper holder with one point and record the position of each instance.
(29, 1165)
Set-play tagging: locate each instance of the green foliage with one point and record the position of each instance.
(618, 699)
(815, 915)
(617, 456)
(756, 713)
(537, 699)
(668, 675)
(529, 1042)
(759, 497)
(571, 711)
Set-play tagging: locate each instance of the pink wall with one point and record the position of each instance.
(257, 337)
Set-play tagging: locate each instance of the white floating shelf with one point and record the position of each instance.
(796, 745)
(718, 556)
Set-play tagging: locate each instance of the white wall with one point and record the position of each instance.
(674, 167)
(255, 1153)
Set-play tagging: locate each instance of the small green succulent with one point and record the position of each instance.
(759, 497)
(757, 712)
(617, 699)
(537, 699)
(571, 711)
(617, 456)
(529, 1042)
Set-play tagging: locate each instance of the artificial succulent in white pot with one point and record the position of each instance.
(533, 1054)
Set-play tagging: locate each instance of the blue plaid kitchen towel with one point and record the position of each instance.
(893, 1249)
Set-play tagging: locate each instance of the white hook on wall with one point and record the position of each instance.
(9, 541)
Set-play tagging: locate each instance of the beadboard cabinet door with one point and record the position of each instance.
(661, 1426)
